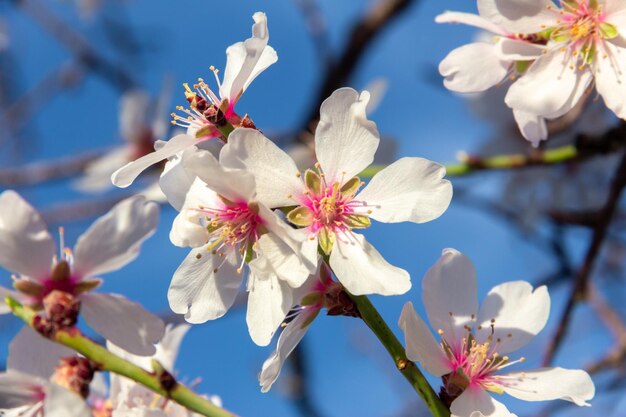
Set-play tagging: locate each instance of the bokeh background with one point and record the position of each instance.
(61, 107)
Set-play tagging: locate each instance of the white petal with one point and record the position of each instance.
(362, 270)
(26, 247)
(60, 402)
(176, 179)
(410, 189)
(450, 296)
(471, 20)
(114, 239)
(519, 312)
(345, 141)
(18, 389)
(473, 68)
(520, 16)
(246, 60)
(201, 293)
(35, 355)
(287, 342)
(97, 176)
(125, 176)
(269, 301)
(275, 257)
(549, 86)
(235, 184)
(276, 175)
(515, 50)
(168, 347)
(421, 346)
(550, 384)
(123, 322)
(475, 402)
(610, 80)
(532, 127)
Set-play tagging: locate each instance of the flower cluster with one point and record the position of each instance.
(552, 53)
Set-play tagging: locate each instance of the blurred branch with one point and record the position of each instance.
(76, 210)
(580, 287)
(317, 28)
(87, 55)
(301, 392)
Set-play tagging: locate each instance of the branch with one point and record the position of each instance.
(580, 288)
(107, 361)
(407, 368)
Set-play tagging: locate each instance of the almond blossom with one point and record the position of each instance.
(475, 342)
(327, 201)
(245, 61)
(232, 230)
(114, 240)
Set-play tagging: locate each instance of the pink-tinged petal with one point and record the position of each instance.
(275, 257)
(246, 60)
(473, 68)
(516, 50)
(26, 247)
(123, 322)
(450, 296)
(475, 402)
(205, 285)
(421, 346)
(610, 79)
(614, 9)
(345, 140)
(519, 313)
(234, 184)
(287, 342)
(471, 20)
(269, 301)
(115, 239)
(125, 176)
(533, 128)
(520, 16)
(176, 179)
(410, 189)
(33, 354)
(363, 270)
(551, 86)
(550, 384)
(60, 402)
(277, 178)
(18, 390)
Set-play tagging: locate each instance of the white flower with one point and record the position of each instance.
(329, 205)
(245, 61)
(229, 227)
(27, 249)
(475, 342)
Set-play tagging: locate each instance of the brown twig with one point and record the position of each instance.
(580, 288)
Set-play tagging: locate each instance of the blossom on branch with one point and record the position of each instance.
(475, 341)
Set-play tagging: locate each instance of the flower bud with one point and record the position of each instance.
(61, 308)
(75, 374)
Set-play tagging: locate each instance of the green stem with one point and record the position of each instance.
(107, 361)
(377, 324)
(472, 164)
(226, 129)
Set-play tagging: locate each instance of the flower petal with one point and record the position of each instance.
(515, 50)
(533, 128)
(33, 354)
(60, 402)
(450, 296)
(115, 239)
(125, 176)
(205, 285)
(519, 313)
(276, 175)
(18, 389)
(345, 141)
(26, 247)
(275, 257)
(246, 60)
(610, 80)
(471, 20)
(123, 322)
(410, 189)
(269, 301)
(549, 87)
(520, 16)
(473, 68)
(287, 342)
(97, 175)
(421, 346)
(176, 179)
(362, 270)
(475, 402)
(550, 384)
